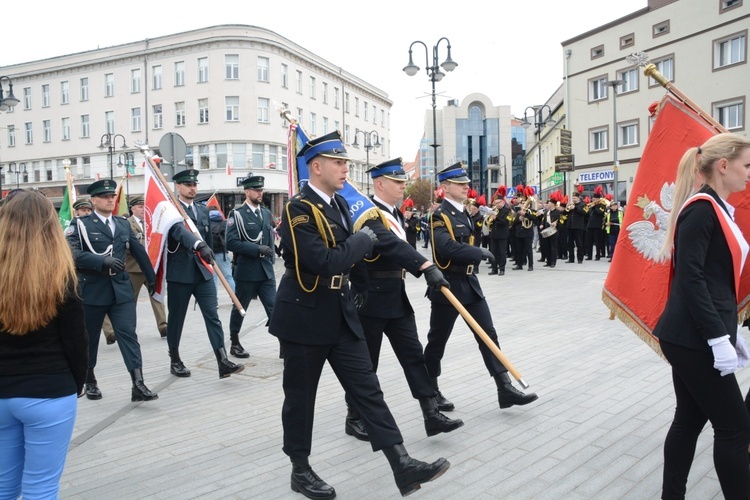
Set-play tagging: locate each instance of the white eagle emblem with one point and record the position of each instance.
(647, 238)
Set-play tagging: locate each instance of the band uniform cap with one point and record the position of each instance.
(391, 169)
(79, 204)
(253, 182)
(454, 173)
(329, 145)
(136, 200)
(104, 186)
(187, 175)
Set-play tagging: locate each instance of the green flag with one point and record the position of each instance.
(65, 214)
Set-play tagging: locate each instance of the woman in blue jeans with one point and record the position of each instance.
(43, 348)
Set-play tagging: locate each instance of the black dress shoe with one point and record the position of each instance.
(163, 332)
(111, 339)
(517, 268)
(507, 395)
(491, 273)
(306, 481)
(501, 273)
(92, 390)
(410, 473)
(434, 421)
(540, 260)
(588, 258)
(530, 268)
(238, 351)
(552, 266)
(545, 265)
(597, 258)
(355, 427)
(177, 368)
(139, 391)
(226, 367)
(442, 403)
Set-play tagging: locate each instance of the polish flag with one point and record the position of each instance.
(229, 169)
(213, 202)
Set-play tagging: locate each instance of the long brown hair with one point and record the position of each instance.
(36, 264)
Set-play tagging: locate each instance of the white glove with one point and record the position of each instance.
(725, 355)
(743, 353)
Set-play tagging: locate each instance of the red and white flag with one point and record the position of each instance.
(213, 202)
(229, 169)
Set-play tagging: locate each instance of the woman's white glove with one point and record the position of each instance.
(725, 355)
(743, 353)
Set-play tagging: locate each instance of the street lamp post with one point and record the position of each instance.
(109, 141)
(368, 146)
(504, 167)
(15, 168)
(539, 123)
(435, 75)
(10, 100)
(614, 84)
(127, 160)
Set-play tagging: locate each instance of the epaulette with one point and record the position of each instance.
(120, 217)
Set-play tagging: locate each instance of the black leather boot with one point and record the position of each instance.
(237, 350)
(90, 387)
(176, 366)
(507, 395)
(226, 367)
(410, 473)
(434, 421)
(140, 392)
(307, 482)
(354, 425)
(443, 404)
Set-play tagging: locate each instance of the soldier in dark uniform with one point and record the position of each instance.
(189, 261)
(524, 231)
(562, 230)
(550, 218)
(82, 207)
(316, 321)
(499, 223)
(411, 225)
(477, 221)
(454, 253)
(577, 226)
(595, 231)
(99, 242)
(250, 238)
(383, 305)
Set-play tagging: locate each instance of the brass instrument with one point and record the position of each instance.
(526, 223)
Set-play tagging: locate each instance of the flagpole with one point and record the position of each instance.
(186, 219)
(66, 164)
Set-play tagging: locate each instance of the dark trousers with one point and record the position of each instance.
(595, 237)
(443, 318)
(549, 249)
(612, 242)
(499, 248)
(575, 245)
(562, 244)
(123, 321)
(178, 299)
(351, 363)
(245, 291)
(524, 252)
(703, 395)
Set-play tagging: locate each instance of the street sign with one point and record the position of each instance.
(566, 150)
(566, 142)
(565, 134)
(557, 178)
(172, 148)
(564, 163)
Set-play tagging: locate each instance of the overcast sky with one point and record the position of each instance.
(508, 50)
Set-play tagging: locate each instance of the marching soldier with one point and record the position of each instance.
(595, 232)
(499, 223)
(383, 305)
(316, 321)
(577, 219)
(524, 231)
(189, 274)
(250, 238)
(99, 242)
(549, 219)
(455, 254)
(562, 229)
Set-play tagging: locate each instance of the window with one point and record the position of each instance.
(109, 85)
(204, 156)
(730, 50)
(109, 120)
(597, 52)
(366, 110)
(627, 41)
(84, 89)
(337, 125)
(239, 155)
(156, 77)
(202, 110)
(64, 92)
(300, 116)
(258, 156)
(263, 69)
(665, 66)
(730, 113)
(374, 114)
(27, 98)
(299, 82)
(179, 114)
(312, 88)
(336, 97)
(221, 155)
(135, 119)
(135, 80)
(85, 126)
(325, 93)
(29, 133)
(158, 117)
(346, 104)
(272, 157)
(598, 88)
(325, 125)
(48, 169)
(285, 76)
(233, 108)
(179, 74)
(726, 5)
(598, 139)
(65, 127)
(46, 131)
(356, 106)
(382, 118)
(283, 158)
(263, 107)
(45, 96)
(11, 136)
(627, 134)
(312, 124)
(232, 65)
(347, 135)
(202, 69)
(284, 105)
(629, 79)
(661, 28)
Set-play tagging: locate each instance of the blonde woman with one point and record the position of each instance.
(698, 328)
(43, 348)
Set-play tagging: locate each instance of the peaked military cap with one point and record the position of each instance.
(454, 173)
(187, 175)
(391, 169)
(329, 145)
(102, 187)
(136, 200)
(253, 182)
(82, 204)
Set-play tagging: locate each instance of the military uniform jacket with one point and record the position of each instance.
(454, 253)
(554, 216)
(183, 263)
(245, 233)
(131, 265)
(500, 227)
(386, 294)
(315, 248)
(596, 216)
(524, 232)
(578, 216)
(97, 286)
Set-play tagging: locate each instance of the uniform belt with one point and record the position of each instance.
(333, 282)
(465, 270)
(384, 275)
(104, 272)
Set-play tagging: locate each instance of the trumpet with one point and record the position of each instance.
(602, 201)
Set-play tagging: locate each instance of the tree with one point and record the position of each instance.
(420, 192)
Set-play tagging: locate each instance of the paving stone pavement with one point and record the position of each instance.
(597, 430)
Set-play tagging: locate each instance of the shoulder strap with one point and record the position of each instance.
(84, 236)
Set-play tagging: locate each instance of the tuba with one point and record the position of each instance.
(526, 223)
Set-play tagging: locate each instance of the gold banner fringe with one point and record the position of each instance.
(626, 317)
